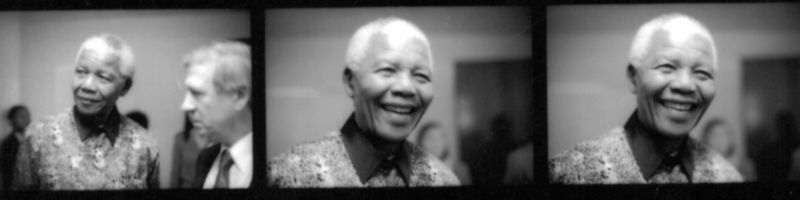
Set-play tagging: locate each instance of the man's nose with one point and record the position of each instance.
(187, 104)
(683, 83)
(403, 85)
(88, 84)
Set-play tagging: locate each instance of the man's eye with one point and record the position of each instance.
(105, 77)
(423, 77)
(386, 71)
(665, 68)
(704, 75)
(195, 93)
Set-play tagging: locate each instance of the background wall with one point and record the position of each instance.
(9, 67)
(305, 60)
(587, 49)
(38, 49)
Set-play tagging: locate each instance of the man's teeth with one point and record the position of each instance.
(679, 106)
(398, 109)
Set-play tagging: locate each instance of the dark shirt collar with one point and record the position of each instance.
(91, 126)
(366, 158)
(643, 143)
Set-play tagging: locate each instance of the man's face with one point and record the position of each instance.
(97, 83)
(21, 119)
(675, 83)
(208, 109)
(392, 87)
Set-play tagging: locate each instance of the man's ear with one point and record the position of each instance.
(347, 76)
(243, 96)
(126, 86)
(631, 74)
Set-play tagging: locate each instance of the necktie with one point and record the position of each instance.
(225, 163)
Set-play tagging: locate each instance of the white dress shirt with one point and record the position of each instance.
(241, 172)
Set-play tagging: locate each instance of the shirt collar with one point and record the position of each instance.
(241, 152)
(18, 136)
(365, 158)
(648, 157)
(94, 127)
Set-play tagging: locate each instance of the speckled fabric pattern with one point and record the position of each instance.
(53, 157)
(325, 163)
(609, 160)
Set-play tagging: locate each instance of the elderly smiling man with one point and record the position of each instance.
(673, 64)
(90, 145)
(389, 76)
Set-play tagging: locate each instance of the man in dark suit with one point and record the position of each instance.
(218, 102)
(19, 118)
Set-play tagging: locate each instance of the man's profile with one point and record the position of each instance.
(217, 101)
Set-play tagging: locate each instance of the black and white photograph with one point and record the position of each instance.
(398, 97)
(209, 99)
(125, 99)
(673, 93)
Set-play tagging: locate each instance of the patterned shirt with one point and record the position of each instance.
(609, 160)
(53, 156)
(327, 163)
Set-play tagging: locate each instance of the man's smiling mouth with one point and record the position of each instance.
(683, 106)
(399, 109)
(87, 100)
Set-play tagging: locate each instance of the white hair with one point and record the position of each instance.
(112, 51)
(231, 62)
(679, 26)
(397, 30)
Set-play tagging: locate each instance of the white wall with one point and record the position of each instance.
(587, 48)
(48, 42)
(9, 67)
(305, 60)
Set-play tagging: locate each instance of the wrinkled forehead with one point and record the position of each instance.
(398, 34)
(202, 71)
(404, 42)
(383, 42)
(682, 29)
(98, 52)
(681, 39)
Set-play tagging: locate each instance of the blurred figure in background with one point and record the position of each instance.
(499, 146)
(519, 164)
(485, 153)
(794, 170)
(774, 160)
(188, 144)
(19, 117)
(718, 134)
(434, 141)
(139, 117)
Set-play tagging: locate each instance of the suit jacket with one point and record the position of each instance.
(204, 162)
(8, 159)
